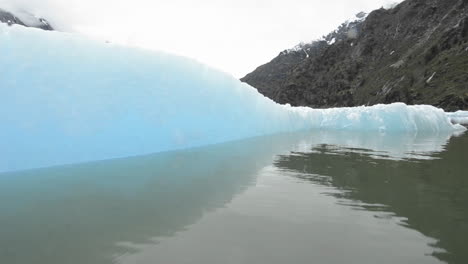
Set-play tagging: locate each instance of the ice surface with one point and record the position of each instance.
(65, 99)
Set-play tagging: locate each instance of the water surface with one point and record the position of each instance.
(316, 197)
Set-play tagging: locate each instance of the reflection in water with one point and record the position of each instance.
(430, 194)
(120, 210)
(79, 213)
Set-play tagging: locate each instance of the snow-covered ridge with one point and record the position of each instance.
(66, 99)
(344, 31)
(391, 5)
(358, 18)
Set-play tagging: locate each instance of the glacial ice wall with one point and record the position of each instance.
(66, 99)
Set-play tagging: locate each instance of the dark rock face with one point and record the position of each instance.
(416, 53)
(10, 19)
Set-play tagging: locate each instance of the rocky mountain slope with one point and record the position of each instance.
(415, 52)
(27, 20)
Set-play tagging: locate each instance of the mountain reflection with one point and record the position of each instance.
(426, 185)
(97, 212)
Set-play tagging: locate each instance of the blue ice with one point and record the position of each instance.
(67, 99)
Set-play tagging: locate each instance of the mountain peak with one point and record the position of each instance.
(415, 52)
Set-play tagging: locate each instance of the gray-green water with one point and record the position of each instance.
(316, 197)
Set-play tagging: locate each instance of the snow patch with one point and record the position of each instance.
(430, 78)
(398, 64)
(391, 5)
(359, 17)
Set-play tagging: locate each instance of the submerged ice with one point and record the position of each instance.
(66, 99)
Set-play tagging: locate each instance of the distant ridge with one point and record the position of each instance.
(32, 21)
(415, 52)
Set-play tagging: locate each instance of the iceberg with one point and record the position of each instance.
(67, 99)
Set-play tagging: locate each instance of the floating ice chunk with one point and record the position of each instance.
(66, 99)
(459, 117)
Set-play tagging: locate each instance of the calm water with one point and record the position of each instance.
(296, 198)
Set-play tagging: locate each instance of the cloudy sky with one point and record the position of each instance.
(234, 36)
